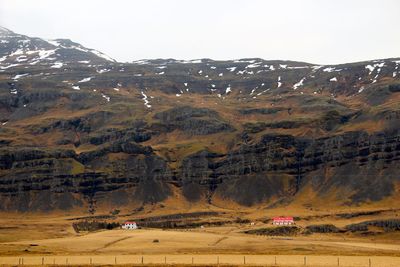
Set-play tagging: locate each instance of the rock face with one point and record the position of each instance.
(194, 121)
(281, 165)
(358, 166)
(363, 164)
(39, 180)
(79, 130)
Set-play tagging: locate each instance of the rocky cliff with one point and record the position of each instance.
(357, 166)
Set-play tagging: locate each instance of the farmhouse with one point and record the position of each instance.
(282, 221)
(129, 225)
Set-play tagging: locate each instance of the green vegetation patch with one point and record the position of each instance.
(388, 225)
(275, 231)
(321, 228)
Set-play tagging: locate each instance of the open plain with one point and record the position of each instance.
(50, 239)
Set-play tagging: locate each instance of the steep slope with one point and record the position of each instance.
(81, 130)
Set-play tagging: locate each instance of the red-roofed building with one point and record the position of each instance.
(282, 221)
(129, 225)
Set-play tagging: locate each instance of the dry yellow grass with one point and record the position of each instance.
(34, 236)
(225, 240)
(205, 260)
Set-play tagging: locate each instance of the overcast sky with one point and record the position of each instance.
(316, 31)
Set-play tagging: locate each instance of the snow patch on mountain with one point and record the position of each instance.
(329, 69)
(84, 80)
(266, 90)
(18, 76)
(45, 53)
(145, 100)
(106, 97)
(251, 66)
(103, 70)
(371, 68)
(279, 82)
(298, 84)
(57, 65)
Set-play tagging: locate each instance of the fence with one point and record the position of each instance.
(214, 260)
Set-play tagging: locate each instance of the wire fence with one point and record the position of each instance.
(208, 260)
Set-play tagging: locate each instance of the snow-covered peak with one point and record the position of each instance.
(17, 50)
(4, 31)
(54, 42)
(68, 44)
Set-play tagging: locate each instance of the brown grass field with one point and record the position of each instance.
(204, 260)
(50, 239)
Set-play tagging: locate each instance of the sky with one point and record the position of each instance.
(315, 31)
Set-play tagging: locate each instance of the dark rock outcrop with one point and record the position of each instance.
(194, 121)
(356, 166)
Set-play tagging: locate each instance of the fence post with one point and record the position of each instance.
(192, 260)
(90, 261)
(338, 262)
(244, 259)
(54, 261)
(218, 260)
(142, 259)
(275, 260)
(369, 262)
(22, 260)
(165, 259)
(66, 261)
(305, 261)
(42, 260)
(115, 260)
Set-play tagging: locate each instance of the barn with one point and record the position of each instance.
(282, 221)
(129, 225)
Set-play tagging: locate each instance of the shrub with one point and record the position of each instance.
(322, 228)
(275, 231)
(239, 220)
(394, 88)
(388, 225)
(115, 212)
(91, 226)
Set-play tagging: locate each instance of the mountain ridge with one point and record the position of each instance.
(175, 60)
(79, 130)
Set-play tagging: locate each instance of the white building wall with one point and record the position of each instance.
(129, 226)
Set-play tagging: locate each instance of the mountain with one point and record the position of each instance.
(82, 131)
(16, 49)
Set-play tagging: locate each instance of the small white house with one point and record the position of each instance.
(129, 225)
